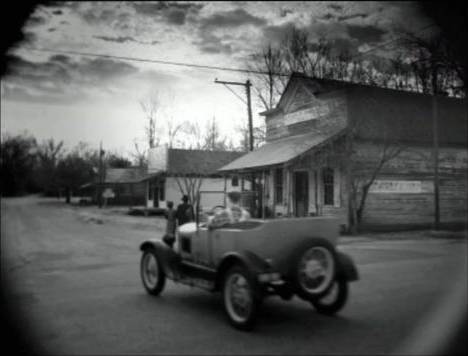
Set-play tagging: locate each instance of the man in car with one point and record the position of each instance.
(231, 214)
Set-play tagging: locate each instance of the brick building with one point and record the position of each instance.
(326, 139)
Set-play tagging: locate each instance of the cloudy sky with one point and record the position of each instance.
(83, 98)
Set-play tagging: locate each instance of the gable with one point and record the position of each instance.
(198, 162)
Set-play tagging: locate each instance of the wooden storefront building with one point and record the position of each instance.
(325, 136)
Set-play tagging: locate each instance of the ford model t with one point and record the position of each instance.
(250, 260)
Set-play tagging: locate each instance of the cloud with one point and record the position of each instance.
(233, 18)
(352, 16)
(124, 39)
(171, 12)
(210, 43)
(276, 33)
(285, 12)
(64, 77)
(328, 16)
(119, 39)
(366, 33)
(335, 7)
(36, 20)
(176, 17)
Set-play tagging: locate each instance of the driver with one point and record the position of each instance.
(232, 214)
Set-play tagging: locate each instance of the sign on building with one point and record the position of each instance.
(401, 186)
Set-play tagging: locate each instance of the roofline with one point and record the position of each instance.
(336, 136)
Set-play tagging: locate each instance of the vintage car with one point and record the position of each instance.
(250, 260)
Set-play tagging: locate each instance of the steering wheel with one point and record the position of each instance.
(216, 209)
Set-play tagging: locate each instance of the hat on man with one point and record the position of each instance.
(185, 198)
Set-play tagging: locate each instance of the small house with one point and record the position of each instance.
(173, 172)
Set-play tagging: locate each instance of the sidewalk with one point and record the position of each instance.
(404, 235)
(119, 215)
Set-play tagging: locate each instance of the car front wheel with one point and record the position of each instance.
(334, 300)
(240, 300)
(152, 275)
(315, 268)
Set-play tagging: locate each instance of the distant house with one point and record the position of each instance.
(127, 186)
(170, 168)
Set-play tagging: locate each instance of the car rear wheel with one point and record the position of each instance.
(152, 275)
(315, 269)
(240, 300)
(334, 300)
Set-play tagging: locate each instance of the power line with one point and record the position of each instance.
(200, 66)
(157, 61)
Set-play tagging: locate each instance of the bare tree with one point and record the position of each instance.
(433, 65)
(151, 107)
(259, 134)
(173, 129)
(49, 153)
(190, 184)
(270, 85)
(140, 155)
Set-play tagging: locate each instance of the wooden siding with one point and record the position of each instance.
(414, 208)
(211, 191)
(331, 113)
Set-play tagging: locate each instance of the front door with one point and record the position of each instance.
(301, 193)
(153, 199)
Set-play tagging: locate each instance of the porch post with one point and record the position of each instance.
(225, 189)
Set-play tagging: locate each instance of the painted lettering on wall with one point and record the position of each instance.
(401, 186)
(310, 113)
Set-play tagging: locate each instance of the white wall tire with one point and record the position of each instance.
(239, 297)
(334, 300)
(315, 269)
(151, 272)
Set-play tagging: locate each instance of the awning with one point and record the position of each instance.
(280, 151)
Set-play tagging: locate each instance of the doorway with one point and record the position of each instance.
(301, 193)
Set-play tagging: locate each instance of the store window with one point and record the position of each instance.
(328, 186)
(279, 186)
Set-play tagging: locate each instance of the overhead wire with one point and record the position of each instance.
(201, 66)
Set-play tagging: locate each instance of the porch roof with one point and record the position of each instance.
(280, 151)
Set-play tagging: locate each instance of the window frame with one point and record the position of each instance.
(279, 185)
(328, 183)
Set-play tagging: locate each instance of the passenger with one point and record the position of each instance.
(231, 214)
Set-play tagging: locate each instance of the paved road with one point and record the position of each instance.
(76, 282)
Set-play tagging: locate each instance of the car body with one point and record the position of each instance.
(250, 260)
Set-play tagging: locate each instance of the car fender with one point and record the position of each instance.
(346, 267)
(252, 262)
(164, 253)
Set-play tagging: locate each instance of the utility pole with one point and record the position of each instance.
(435, 134)
(99, 197)
(247, 86)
